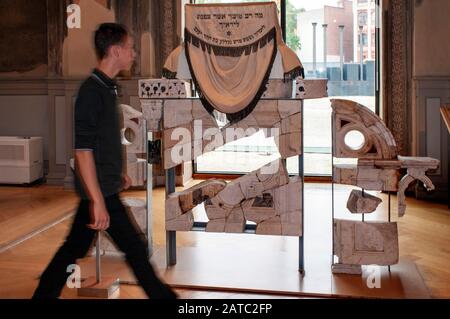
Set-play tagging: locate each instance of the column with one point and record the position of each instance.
(369, 30)
(325, 49)
(341, 50)
(361, 53)
(355, 34)
(314, 49)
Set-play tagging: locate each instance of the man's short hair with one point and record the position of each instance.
(107, 35)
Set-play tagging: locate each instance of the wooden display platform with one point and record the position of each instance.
(269, 268)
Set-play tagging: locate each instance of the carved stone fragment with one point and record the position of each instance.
(163, 88)
(349, 117)
(346, 269)
(311, 89)
(359, 203)
(197, 194)
(184, 222)
(366, 243)
(416, 170)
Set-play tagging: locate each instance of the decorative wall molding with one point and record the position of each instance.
(398, 71)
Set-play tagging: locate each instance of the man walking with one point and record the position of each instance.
(98, 172)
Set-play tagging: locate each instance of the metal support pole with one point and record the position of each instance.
(389, 217)
(361, 53)
(301, 243)
(369, 31)
(149, 197)
(171, 236)
(341, 50)
(332, 190)
(98, 270)
(314, 49)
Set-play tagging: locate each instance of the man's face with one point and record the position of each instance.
(127, 54)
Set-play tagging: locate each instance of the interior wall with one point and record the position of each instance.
(431, 87)
(78, 50)
(25, 116)
(432, 38)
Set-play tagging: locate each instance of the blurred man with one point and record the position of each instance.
(99, 175)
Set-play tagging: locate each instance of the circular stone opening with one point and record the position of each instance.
(129, 136)
(354, 140)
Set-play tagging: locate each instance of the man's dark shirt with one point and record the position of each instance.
(97, 128)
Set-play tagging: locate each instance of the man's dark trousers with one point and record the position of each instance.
(79, 240)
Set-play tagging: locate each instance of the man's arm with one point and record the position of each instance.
(85, 166)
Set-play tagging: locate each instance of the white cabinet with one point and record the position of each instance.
(21, 159)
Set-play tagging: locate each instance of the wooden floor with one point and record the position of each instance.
(424, 236)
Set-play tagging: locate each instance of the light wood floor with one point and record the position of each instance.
(424, 236)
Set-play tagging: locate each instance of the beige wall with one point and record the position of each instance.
(78, 51)
(432, 38)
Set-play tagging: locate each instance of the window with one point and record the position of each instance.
(362, 18)
(351, 80)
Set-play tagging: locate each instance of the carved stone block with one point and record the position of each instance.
(163, 88)
(266, 113)
(350, 117)
(359, 203)
(273, 174)
(184, 222)
(271, 226)
(136, 170)
(181, 134)
(231, 195)
(152, 113)
(291, 223)
(367, 177)
(288, 107)
(278, 89)
(197, 194)
(346, 269)
(291, 124)
(250, 185)
(235, 221)
(289, 144)
(177, 112)
(172, 207)
(260, 208)
(376, 179)
(288, 198)
(416, 170)
(133, 133)
(216, 225)
(366, 243)
(345, 174)
(311, 89)
(178, 154)
(215, 209)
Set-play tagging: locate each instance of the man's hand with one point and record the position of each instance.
(99, 216)
(126, 181)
